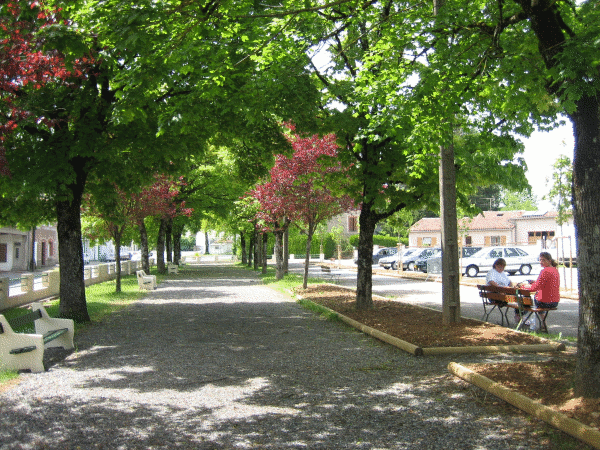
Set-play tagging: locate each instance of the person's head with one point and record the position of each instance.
(499, 264)
(546, 260)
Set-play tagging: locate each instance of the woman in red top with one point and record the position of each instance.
(547, 286)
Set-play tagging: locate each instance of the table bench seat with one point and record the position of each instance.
(510, 298)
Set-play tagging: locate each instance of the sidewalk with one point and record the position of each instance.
(223, 362)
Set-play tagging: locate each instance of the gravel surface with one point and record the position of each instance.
(224, 362)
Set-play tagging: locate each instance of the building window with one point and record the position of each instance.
(3, 253)
(495, 240)
(426, 242)
(352, 224)
(535, 236)
(468, 240)
(17, 250)
(50, 248)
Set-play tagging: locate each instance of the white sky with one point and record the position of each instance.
(541, 151)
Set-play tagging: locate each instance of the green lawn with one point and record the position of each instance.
(102, 300)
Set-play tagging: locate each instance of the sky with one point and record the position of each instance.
(541, 151)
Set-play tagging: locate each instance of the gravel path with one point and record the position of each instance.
(224, 362)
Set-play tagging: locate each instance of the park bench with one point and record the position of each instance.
(512, 298)
(172, 268)
(146, 281)
(328, 274)
(23, 351)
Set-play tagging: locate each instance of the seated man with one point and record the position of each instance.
(496, 276)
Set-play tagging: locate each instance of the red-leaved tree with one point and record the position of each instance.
(296, 192)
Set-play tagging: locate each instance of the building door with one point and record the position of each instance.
(43, 253)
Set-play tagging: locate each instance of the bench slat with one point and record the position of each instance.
(25, 319)
(51, 335)
(18, 351)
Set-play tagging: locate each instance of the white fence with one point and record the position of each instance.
(11, 297)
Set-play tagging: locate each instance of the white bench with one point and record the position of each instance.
(22, 351)
(172, 268)
(146, 281)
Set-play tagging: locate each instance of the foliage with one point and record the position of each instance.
(560, 190)
(518, 201)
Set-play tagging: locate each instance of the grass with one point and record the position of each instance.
(101, 299)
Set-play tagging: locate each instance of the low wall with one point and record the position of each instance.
(51, 283)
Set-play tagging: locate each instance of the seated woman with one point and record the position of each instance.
(547, 286)
(496, 276)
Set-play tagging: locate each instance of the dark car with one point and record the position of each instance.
(381, 253)
(436, 259)
(421, 262)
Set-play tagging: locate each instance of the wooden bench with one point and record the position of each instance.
(23, 351)
(326, 273)
(146, 281)
(518, 299)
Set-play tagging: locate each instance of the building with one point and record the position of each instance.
(521, 228)
(17, 248)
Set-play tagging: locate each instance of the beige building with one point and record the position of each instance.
(16, 248)
(522, 228)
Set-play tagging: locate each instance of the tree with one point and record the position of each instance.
(560, 190)
(313, 160)
(43, 106)
(518, 201)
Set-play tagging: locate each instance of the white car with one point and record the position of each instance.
(517, 260)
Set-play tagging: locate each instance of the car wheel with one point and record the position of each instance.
(512, 273)
(525, 269)
(394, 265)
(472, 271)
(411, 266)
(386, 267)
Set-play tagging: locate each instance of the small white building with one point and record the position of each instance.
(519, 228)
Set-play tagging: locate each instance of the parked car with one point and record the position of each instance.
(381, 253)
(517, 260)
(437, 259)
(390, 262)
(421, 261)
(408, 259)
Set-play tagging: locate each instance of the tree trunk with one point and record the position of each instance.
(243, 245)
(364, 282)
(177, 232)
(251, 249)
(72, 287)
(144, 246)
(279, 266)
(169, 239)
(257, 250)
(117, 238)
(32, 259)
(160, 247)
(286, 251)
(586, 209)
(206, 241)
(309, 237)
(450, 263)
(265, 238)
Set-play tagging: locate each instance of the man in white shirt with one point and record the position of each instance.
(496, 276)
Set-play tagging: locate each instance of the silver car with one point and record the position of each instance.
(408, 259)
(517, 260)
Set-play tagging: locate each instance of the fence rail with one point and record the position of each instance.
(33, 287)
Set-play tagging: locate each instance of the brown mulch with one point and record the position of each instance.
(550, 382)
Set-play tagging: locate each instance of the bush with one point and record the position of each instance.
(378, 239)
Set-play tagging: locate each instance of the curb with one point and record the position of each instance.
(435, 351)
(557, 419)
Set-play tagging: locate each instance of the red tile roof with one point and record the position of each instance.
(488, 220)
